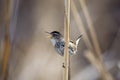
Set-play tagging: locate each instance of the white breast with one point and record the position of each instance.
(53, 42)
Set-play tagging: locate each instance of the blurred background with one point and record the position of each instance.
(32, 56)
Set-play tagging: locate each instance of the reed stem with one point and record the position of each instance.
(66, 35)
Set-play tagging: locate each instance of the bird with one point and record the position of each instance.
(58, 42)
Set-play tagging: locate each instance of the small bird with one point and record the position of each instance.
(59, 43)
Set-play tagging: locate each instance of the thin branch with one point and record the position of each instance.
(67, 31)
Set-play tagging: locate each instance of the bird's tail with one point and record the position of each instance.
(78, 39)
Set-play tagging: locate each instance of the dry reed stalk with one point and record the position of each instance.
(91, 29)
(95, 61)
(90, 56)
(6, 40)
(66, 35)
(80, 25)
(97, 49)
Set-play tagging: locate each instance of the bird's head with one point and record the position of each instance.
(55, 35)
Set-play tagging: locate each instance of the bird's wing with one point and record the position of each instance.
(60, 47)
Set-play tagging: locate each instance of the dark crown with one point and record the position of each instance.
(56, 34)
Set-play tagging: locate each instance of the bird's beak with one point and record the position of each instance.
(49, 35)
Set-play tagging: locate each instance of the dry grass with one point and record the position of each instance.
(94, 52)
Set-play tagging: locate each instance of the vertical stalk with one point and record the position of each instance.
(105, 75)
(91, 28)
(6, 40)
(67, 34)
